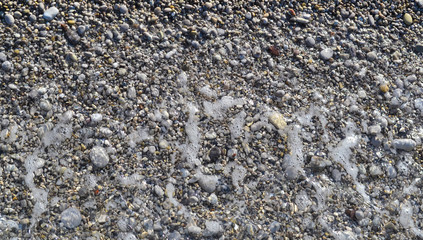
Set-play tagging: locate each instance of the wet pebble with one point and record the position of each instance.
(50, 13)
(71, 217)
(9, 19)
(99, 156)
(326, 54)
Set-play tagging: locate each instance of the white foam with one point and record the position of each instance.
(406, 219)
(208, 92)
(294, 160)
(139, 135)
(217, 109)
(237, 125)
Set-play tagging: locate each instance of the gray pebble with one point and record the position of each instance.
(375, 171)
(391, 172)
(208, 182)
(50, 13)
(310, 42)
(123, 9)
(32, 18)
(404, 144)
(159, 191)
(359, 215)
(3, 57)
(45, 105)
(194, 230)
(374, 129)
(7, 66)
(9, 19)
(99, 157)
(326, 54)
(371, 56)
(71, 217)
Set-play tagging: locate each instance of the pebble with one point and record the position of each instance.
(163, 144)
(9, 19)
(50, 13)
(194, 230)
(310, 42)
(99, 156)
(214, 154)
(213, 228)
(7, 66)
(408, 20)
(71, 217)
(404, 144)
(123, 9)
(326, 54)
(277, 120)
(159, 191)
(208, 183)
(371, 56)
(96, 117)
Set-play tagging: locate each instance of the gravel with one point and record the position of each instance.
(211, 120)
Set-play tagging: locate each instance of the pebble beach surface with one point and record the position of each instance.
(211, 120)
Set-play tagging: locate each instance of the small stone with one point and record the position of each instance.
(408, 20)
(3, 57)
(248, 16)
(326, 54)
(7, 66)
(374, 129)
(213, 228)
(122, 71)
(419, 47)
(384, 88)
(163, 144)
(375, 171)
(214, 154)
(159, 191)
(359, 215)
(45, 105)
(194, 230)
(391, 172)
(99, 156)
(371, 56)
(96, 117)
(50, 13)
(213, 200)
(71, 217)
(232, 153)
(277, 120)
(9, 19)
(301, 20)
(123, 9)
(208, 182)
(310, 42)
(404, 144)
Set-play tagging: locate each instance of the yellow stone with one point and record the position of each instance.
(384, 88)
(408, 19)
(71, 22)
(277, 120)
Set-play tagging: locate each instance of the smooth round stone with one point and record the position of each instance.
(208, 183)
(99, 157)
(404, 144)
(123, 9)
(408, 20)
(50, 13)
(3, 57)
(326, 54)
(7, 66)
(71, 217)
(371, 56)
(310, 42)
(9, 19)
